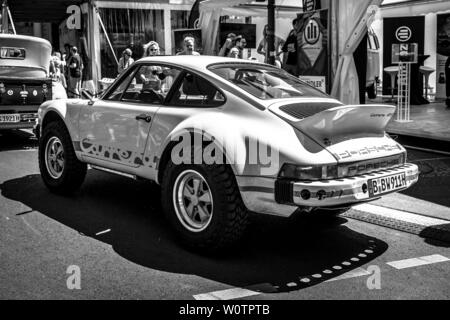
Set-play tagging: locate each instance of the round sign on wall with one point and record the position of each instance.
(403, 34)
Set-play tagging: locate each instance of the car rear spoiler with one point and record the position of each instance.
(347, 122)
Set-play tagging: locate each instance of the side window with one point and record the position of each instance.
(194, 91)
(150, 84)
(116, 94)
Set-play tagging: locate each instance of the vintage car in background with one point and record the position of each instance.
(224, 137)
(24, 80)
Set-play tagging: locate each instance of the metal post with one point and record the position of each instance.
(270, 54)
(5, 26)
(11, 19)
(106, 35)
(404, 93)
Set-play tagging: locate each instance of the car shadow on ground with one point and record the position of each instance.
(434, 179)
(17, 140)
(277, 255)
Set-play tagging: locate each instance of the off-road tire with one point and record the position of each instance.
(229, 219)
(74, 171)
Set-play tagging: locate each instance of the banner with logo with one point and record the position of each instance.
(400, 30)
(311, 5)
(312, 42)
(317, 82)
(443, 56)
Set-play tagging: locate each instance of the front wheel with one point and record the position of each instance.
(60, 169)
(204, 205)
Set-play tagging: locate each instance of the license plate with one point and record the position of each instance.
(387, 184)
(9, 118)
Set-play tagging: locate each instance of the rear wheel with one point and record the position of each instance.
(204, 205)
(60, 169)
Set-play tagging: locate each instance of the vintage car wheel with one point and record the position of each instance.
(204, 205)
(60, 169)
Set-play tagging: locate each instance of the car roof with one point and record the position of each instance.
(196, 62)
(26, 39)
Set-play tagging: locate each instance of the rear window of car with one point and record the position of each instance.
(265, 82)
(12, 53)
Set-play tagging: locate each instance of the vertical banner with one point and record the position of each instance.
(312, 41)
(443, 56)
(401, 30)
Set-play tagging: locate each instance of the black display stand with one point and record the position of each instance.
(417, 97)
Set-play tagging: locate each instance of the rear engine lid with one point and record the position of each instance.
(349, 132)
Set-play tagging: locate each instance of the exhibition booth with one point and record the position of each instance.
(426, 23)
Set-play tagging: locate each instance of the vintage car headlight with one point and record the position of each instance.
(291, 171)
(2, 88)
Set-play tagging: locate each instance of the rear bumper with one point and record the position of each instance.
(346, 191)
(27, 121)
(283, 198)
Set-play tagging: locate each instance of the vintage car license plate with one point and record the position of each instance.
(9, 118)
(387, 184)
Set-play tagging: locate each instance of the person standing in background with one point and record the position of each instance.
(189, 48)
(66, 57)
(125, 61)
(150, 74)
(262, 48)
(290, 51)
(60, 65)
(75, 66)
(241, 43)
(230, 42)
(151, 49)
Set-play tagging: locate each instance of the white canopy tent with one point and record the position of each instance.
(348, 24)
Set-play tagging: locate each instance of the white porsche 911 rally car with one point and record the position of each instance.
(223, 137)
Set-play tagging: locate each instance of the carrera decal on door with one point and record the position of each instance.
(114, 153)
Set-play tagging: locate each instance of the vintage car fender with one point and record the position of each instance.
(272, 140)
(59, 108)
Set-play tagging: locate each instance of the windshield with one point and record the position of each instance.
(266, 83)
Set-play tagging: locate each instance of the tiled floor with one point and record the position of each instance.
(427, 121)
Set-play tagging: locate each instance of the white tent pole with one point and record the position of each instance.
(11, 20)
(106, 35)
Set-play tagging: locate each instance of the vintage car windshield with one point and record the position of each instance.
(265, 83)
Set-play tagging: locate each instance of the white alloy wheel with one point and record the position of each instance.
(54, 158)
(193, 201)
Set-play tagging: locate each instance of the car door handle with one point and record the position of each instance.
(145, 117)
